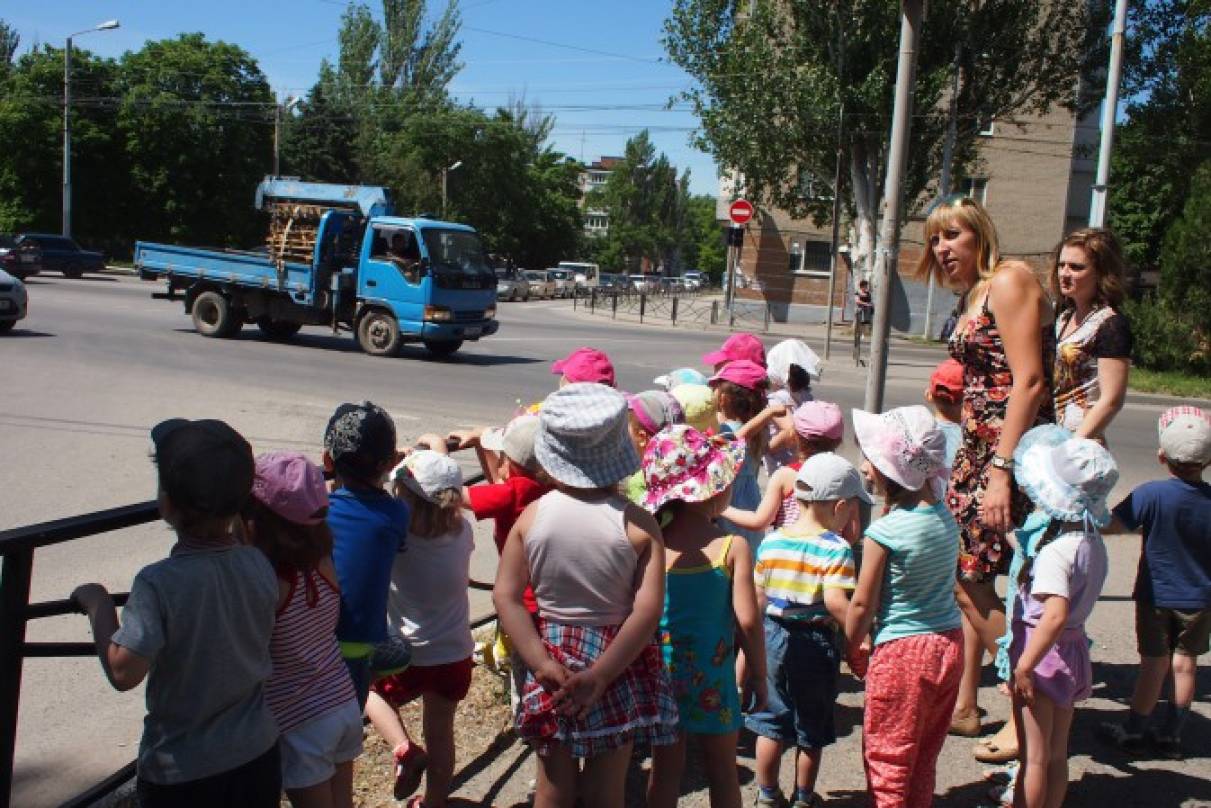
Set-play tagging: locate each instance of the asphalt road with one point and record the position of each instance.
(98, 362)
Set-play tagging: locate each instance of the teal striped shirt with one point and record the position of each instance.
(918, 584)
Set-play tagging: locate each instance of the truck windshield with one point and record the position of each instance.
(457, 259)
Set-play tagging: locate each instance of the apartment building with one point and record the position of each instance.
(592, 178)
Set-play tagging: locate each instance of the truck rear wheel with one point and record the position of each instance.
(214, 316)
(378, 334)
(277, 329)
(443, 348)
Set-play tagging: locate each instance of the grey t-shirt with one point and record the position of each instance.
(204, 619)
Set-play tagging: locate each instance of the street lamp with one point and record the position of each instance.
(445, 171)
(108, 25)
(291, 103)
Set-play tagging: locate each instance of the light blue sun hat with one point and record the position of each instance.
(1067, 477)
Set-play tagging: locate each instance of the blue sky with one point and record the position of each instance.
(613, 57)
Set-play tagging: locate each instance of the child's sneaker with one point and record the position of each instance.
(774, 800)
(1168, 747)
(409, 768)
(813, 801)
(1114, 733)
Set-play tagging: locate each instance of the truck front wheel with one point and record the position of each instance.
(214, 316)
(280, 330)
(378, 334)
(443, 348)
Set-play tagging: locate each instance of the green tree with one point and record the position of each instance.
(771, 84)
(9, 40)
(196, 117)
(704, 248)
(1186, 255)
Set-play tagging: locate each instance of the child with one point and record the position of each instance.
(945, 395)
(197, 625)
(804, 573)
(697, 403)
(819, 427)
(1058, 586)
(428, 607)
(1173, 586)
(648, 413)
(310, 692)
(584, 365)
(906, 589)
(595, 683)
(792, 366)
(709, 604)
(737, 346)
(368, 529)
(739, 389)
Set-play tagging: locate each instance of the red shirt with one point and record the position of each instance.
(504, 502)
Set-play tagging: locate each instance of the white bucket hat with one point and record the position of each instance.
(905, 445)
(582, 438)
(1068, 478)
(516, 440)
(427, 473)
(791, 352)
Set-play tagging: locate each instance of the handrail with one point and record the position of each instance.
(17, 546)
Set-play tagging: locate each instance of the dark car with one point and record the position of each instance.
(38, 252)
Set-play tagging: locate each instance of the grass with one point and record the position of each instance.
(1170, 382)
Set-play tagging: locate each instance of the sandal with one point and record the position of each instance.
(992, 752)
(409, 768)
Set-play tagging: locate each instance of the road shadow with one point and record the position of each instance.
(42, 280)
(25, 332)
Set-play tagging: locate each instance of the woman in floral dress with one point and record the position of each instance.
(1005, 340)
(1094, 339)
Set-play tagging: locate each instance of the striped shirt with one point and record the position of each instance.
(793, 572)
(309, 677)
(922, 546)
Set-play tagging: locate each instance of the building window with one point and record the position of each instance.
(985, 125)
(975, 188)
(814, 258)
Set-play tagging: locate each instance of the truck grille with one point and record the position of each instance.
(468, 316)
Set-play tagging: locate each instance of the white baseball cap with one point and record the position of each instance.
(516, 440)
(1185, 435)
(427, 473)
(828, 476)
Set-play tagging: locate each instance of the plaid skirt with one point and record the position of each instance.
(637, 706)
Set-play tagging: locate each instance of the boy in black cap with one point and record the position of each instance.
(197, 625)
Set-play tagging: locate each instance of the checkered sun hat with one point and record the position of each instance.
(582, 439)
(1068, 478)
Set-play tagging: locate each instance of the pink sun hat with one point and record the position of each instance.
(819, 419)
(586, 365)
(291, 486)
(737, 346)
(747, 374)
(905, 444)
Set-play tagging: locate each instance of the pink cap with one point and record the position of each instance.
(819, 419)
(742, 372)
(738, 346)
(586, 365)
(291, 486)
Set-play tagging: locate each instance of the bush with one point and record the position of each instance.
(1166, 339)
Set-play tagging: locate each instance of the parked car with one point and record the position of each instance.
(46, 252)
(511, 284)
(542, 285)
(692, 280)
(611, 280)
(644, 283)
(14, 301)
(565, 281)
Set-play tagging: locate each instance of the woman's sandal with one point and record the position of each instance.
(992, 752)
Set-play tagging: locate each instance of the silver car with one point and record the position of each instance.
(14, 301)
(541, 283)
(565, 281)
(511, 285)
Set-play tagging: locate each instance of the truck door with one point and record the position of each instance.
(393, 275)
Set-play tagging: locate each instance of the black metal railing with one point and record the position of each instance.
(17, 547)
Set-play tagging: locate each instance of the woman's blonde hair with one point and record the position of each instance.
(432, 519)
(1102, 249)
(971, 215)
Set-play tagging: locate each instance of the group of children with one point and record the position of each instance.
(648, 588)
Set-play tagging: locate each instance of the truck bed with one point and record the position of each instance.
(251, 269)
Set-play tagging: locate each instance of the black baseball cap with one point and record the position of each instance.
(204, 466)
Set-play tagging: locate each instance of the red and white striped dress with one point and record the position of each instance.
(309, 677)
(788, 511)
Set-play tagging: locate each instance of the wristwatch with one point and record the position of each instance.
(1003, 463)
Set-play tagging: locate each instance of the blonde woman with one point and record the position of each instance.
(1005, 340)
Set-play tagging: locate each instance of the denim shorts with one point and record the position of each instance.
(803, 664)
(311, 751)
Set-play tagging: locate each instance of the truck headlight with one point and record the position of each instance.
(438, 314)
(490, 313)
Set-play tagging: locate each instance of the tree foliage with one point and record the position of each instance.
(772, 82)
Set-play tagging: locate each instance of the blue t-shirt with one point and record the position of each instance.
(1175, 565)
(922, 546)
(953, 433)
(368, 529)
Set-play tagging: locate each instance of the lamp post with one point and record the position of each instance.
(108, 25)
(278, 110)
(445, 171)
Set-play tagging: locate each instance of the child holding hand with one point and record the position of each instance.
(594, 681)
(710, 603)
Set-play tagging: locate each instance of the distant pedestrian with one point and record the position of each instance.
(864, 304)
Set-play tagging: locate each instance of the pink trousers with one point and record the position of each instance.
(911, 688)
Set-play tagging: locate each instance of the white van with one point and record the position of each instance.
(588, 276)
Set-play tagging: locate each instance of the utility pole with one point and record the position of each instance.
(109, 25)
(948, 150)
(1097, 207)
(446, 170)
(278, 110)
(836, 238)
(887, 255)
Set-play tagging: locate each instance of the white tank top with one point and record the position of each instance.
(583, 568)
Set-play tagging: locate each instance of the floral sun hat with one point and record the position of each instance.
(1067, 477)
(905, 444)
(682, 463)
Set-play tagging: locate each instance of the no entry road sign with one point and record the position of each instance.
(740, 211)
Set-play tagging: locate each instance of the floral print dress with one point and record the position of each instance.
(987, 380)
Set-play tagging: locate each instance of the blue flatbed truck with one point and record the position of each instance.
(335, 256)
